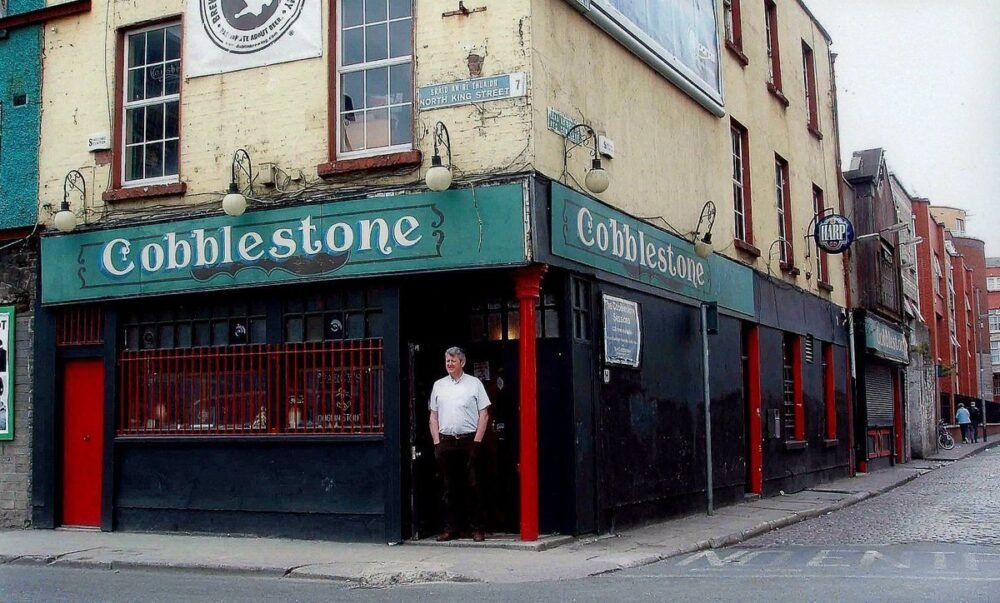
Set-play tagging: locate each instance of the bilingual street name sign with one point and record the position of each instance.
(478, 90)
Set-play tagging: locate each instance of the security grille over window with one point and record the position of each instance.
(79, 326)
(333, 387)
(788, 386)
(581, 309)
(878, 389)
(808, 348)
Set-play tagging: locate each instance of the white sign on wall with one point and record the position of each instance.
(230, 35)
(6, 373)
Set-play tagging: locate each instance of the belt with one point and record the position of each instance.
(460, 436)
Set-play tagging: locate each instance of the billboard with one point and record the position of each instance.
(678, 38)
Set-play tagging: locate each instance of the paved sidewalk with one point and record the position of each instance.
(494, 561)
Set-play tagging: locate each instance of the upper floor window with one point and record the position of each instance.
(151, 105)
(959, 225)
(822, 262)
(771, 34)
(809, 77)
(732, 21)
(375, 77)
(994, 321)
(938, 274)
(783, 210)
(993, 283)
(743, 227)
(995, 352)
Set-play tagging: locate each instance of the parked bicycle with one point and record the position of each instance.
(944, 437)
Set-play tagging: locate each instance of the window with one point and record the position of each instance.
(743, 227)
(499, 319)
(150, 106)
(784, 212)
(829, 392)
(959, 225)
(822, 261)
(793, 410)
(938, 274)
(374, 77)
(993, 283)
(995, 352)
(183, 325)
(581, 309)
(733, 24)
(771, 33)
(994, 321)
(809, 77)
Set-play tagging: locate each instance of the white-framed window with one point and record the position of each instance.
(151, 105)
(374, 77)
(771, 37)
(994, 321)
(959, 225)
(743, 230)
(732, 22)
(783, 210)
(993, 283)
(995, 352)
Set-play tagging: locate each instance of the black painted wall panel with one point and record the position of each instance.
(171, 485)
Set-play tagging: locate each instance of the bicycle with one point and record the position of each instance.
(944, 438)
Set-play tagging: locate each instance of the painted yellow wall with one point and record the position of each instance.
(277, 113)
(672, 155)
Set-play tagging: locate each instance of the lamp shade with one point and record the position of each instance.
(702, 248)
(65, 220)
(597, 179)
(438, 178)
(234, 204)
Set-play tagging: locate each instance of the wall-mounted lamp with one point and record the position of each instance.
(439, 177)
(65, 219)
(597, 180)
(703, 242)
(894, 228)
(234, 203)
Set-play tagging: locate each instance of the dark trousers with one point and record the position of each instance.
(461, 493)
(966, 432)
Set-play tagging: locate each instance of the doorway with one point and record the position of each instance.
(83, 442)
(435, 315)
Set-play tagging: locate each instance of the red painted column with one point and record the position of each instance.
(527, 288)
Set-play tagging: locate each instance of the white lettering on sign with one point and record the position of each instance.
(200, 248)
(630, 245)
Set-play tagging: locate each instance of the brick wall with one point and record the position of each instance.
(17, 286)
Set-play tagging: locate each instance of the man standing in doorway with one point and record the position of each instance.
(459, 417)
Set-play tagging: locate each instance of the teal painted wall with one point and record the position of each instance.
(20, 74)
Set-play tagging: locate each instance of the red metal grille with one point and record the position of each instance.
(79, 326)
(332, 387)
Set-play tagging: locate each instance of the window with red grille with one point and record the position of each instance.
(329, 387)
(79, 326)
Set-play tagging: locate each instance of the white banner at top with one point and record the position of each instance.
(229, 35)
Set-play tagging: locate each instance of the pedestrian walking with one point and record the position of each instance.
(964, 421)
(976, 416)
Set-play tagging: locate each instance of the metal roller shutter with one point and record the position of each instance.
(878, 389)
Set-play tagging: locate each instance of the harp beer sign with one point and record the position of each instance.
(834, 233)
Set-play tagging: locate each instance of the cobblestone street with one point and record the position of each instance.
(956, 504)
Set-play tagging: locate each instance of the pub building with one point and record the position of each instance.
(269, 373)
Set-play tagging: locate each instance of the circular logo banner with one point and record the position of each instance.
(834, 233)
(247, 26)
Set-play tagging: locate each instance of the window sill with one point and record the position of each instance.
(747, 248)
(346, 166)
(145, 192)
(831, 443)
(796, 444)
(825, 286)
(789, 269)
(815, 131)
(776, 93)
(737, 53)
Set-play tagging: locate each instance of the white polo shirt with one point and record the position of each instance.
(458, 403)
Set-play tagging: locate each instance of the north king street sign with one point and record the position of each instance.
(404, 233)
(594, 234)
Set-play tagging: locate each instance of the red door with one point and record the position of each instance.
(83, 425)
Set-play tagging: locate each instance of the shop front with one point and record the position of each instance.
(261, 374)
(880, 429)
